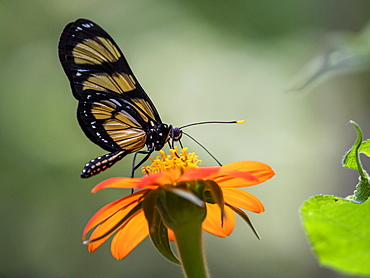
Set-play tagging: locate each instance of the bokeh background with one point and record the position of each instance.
(198, 60)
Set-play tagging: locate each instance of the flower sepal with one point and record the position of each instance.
(181, 203)
(158, 232)
(245, 217)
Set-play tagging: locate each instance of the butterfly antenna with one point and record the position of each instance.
(208, 122)
(214, 122)
(204, 148)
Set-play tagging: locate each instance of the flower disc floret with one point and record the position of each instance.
(174, 161)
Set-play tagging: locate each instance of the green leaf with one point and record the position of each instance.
(351, 158)
(339, 232)
(365, 147)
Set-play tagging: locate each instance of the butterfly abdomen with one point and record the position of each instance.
(101, 163)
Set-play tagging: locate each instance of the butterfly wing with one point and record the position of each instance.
(113, 111)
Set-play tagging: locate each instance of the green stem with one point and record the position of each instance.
(189, 240)
(360, 169)
(362, 191)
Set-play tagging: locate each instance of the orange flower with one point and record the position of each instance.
(125, 217)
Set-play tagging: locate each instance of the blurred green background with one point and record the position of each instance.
(198, 60)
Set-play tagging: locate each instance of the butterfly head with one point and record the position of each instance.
(176, 133)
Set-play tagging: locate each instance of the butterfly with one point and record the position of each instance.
(113, 110)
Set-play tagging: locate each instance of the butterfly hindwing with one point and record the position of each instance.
(112, 122)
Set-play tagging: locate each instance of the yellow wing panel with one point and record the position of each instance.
(106, 109)
(95, 51)
(117, 82)
(129, 139)
(144, 106)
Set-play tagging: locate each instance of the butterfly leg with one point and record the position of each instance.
(181, 144)
(134, 167)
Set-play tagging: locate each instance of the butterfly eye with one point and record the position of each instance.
(176, 133)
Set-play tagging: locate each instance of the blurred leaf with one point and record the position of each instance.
(339, 233)
(350, 52)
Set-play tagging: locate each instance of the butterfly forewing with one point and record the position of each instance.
(87, 51)
(92, 60)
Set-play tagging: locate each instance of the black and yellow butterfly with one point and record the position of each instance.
(113, 110)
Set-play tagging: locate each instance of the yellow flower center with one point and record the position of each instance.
(173, 161)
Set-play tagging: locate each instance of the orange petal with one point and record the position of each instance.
(212, 223)
(112, 208)
(129, 236)
(199, 173)
(229, 177)
(225, 174)
(157, 179)
(258, 169)
(242, 199)
(171, 235)
(227, 181)
(104, 228)
(118, 182)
